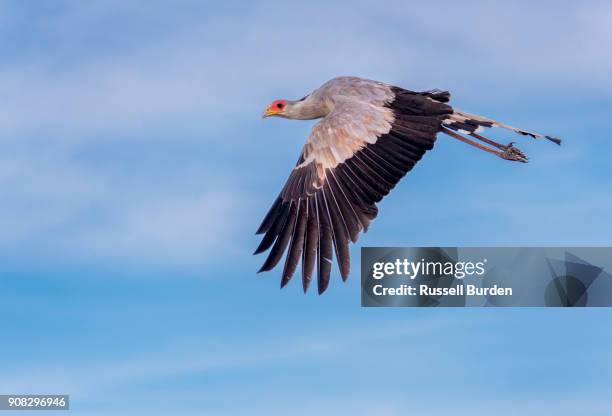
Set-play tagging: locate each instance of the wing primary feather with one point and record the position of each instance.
(274, 230)
(325, 254)
(306, 183)
(297, 243)
(404, 142)
(339, 232)
(431, 122)
(384, 155)
(362, 205)
(371, 176)
(383, 162)
(371, 184)
(332, 202)
(349, 180)
(351, 218)
(390, 174)
(311, 244)
(373, 194)
(369, 173)
(395, 155)
(410, 142)
(281, 242)
(419, 138)
(300, 186)
(270, 216)
(426, 130)
(290, 189)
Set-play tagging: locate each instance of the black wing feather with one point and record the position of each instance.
(340, 232)
(281, 241)
(297, 243)
(325, 255)
(311, 244)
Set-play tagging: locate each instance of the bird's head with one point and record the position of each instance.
(302, 109)
(277, 108)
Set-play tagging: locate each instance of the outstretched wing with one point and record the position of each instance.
(352, 159)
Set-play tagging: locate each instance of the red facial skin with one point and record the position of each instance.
(277, 106)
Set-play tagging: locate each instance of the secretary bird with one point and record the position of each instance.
(371, 134)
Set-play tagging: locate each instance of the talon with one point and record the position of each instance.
(512, 153)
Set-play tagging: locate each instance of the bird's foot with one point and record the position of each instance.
(513, 153)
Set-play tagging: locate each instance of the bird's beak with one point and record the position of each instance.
(269, 112)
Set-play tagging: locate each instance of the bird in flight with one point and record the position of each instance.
(370, 135)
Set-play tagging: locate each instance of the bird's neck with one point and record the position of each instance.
(307, 109)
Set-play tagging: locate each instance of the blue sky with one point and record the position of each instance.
(135, 169)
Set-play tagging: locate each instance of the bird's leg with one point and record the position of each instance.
(507, 152)
(489, 141)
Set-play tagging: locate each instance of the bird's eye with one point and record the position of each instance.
(280, 105)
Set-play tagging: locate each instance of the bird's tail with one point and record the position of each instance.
(470, 123)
